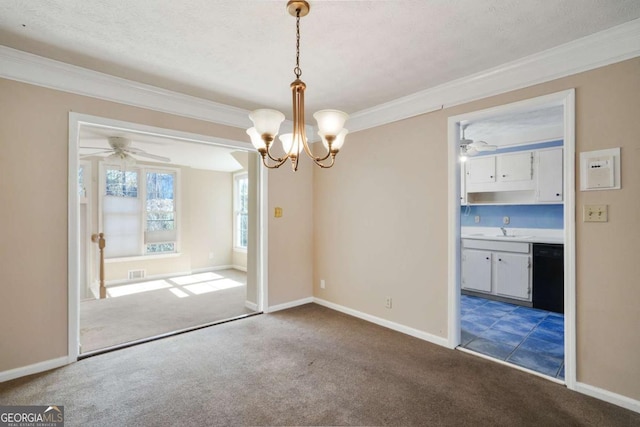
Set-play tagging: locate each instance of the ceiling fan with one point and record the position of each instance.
(121, 150)
(469, 147)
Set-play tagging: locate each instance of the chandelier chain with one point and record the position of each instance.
(297, 71)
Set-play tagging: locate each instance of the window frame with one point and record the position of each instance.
(237, 177)
(142, 170)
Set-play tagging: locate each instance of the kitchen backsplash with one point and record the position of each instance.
(520, 216)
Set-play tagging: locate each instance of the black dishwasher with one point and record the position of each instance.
(548, 277)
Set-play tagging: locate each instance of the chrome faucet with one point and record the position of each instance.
(504, 231)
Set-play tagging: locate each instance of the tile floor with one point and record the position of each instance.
(524, 336)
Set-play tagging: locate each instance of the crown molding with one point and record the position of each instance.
(603, 48)
(40, 71)
(597, 50)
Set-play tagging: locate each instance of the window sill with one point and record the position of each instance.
(142, 258)
(240, 250)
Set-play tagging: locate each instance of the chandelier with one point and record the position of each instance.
(266, 122)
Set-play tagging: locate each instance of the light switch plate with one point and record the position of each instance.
(595, 213)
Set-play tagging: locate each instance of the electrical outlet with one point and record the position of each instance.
(595, 213)
(506, 220)
(477, 219)
(387, 302)
(322, 284)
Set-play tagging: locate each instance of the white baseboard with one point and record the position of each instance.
(239, 267)
(251, 305)
(33, 369)
(290, 304)
(383, 322)
(609, 396)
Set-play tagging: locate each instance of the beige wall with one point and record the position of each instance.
(34, 124)
(205, 224)
(381, 224)
(291, 236)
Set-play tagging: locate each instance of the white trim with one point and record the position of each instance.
(251, 305)
(510, 365)
(23, 371)
(567, 99)
(569, 147)
(263, 236)
(290, 304)
(75, 121)
(383, 322)
(608, 396)
(587, 53)
(73, 245)
(239, 268)
(37, 70)
(136, 258)
(596, 50)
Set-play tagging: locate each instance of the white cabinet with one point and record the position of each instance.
(550, 181)
(525, 177)
(512, 275)
(476, 270)
(515, 167)
(497, 267)
(481, 170)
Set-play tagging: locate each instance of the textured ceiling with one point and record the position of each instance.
(355, 54)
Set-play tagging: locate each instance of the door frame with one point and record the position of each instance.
(76, 120)
(567, 100)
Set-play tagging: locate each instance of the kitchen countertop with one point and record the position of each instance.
(527, 235)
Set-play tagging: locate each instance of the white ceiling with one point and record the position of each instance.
(355, 54)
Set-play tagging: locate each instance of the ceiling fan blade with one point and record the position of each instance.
(141, 153)
(93, 148)
(487, 148)
(95, 154)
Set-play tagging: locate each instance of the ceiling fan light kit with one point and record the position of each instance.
(470, 148)
(266, 122)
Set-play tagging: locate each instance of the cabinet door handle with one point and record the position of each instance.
(490, 176)
(557, 194)
(504, 176)
(499, 259)
(487, 258)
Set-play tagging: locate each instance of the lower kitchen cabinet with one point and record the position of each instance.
(512, 273)
(497, 268)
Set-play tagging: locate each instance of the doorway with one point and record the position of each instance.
(490, 268)
(173, 251)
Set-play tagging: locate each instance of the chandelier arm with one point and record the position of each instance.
(276, 165)
(325, 166)
(267, 150)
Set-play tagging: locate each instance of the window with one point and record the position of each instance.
(160, 230)
(134, 228)
(241, 211)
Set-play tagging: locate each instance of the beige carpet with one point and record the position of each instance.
(151, 308)
(304, 366)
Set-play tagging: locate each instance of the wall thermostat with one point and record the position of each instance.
(600, 170)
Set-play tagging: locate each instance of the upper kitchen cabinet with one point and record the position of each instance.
(481, 170)
(550, 175)
(526, 177)
(515, 167)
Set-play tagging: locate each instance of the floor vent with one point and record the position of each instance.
(136, 274)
